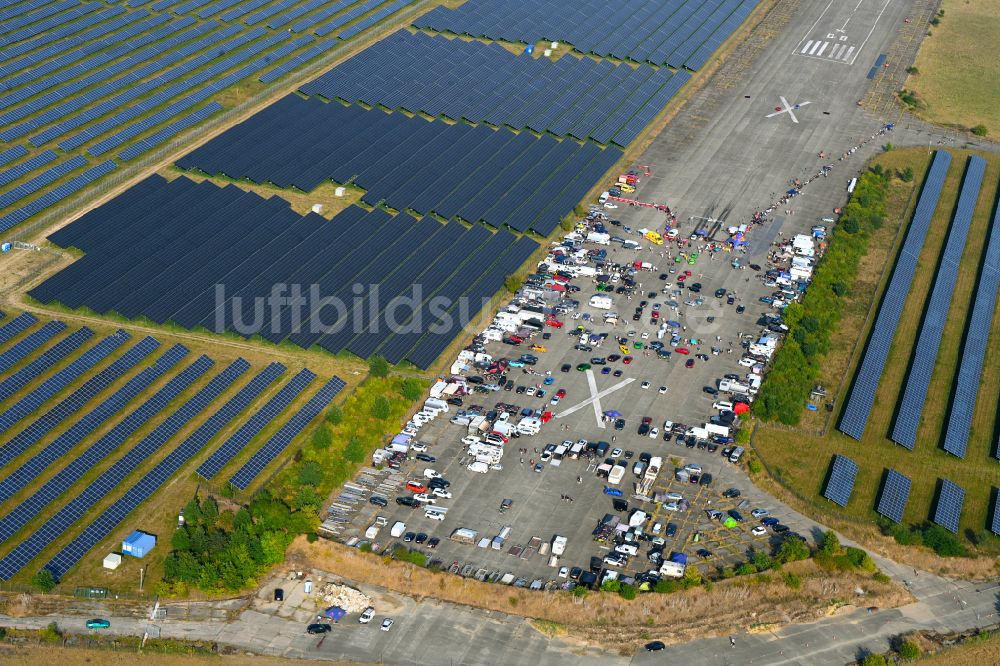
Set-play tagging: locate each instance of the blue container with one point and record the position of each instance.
(138, 544)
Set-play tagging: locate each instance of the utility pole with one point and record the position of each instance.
(142, 571)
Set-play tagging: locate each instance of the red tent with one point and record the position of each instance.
(741, 408)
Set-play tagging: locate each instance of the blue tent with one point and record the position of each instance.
(335, 613)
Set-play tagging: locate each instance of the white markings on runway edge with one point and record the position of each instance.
(595, 398)
(787, 108)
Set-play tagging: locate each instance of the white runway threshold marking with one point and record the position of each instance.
(822, 43)
(595, 398)
(787, 108)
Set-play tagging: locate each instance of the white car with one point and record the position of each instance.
(674, 497)
(654, 433)
(479, 467)
(442, 493)
(657, 528)
(431, 473)
(531, 390)
(411, 431)
(645, 385)
(671, 506)
(564, 572)
(387, 624)
(419, 447)
(367, 616)
(746, 361)
(759, 513)
(555, 400)
(663, 389)
(470, 440)
(434, 515)
(616, 452)
(760, 530)
(610, 206)
(424, 498)
(644, 336)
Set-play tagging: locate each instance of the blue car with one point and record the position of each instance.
(605, 370)
(613, 492)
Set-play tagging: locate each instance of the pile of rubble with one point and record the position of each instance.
(351, 600)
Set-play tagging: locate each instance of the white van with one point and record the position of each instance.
(603, 198)
(851, 185)
(722, 405)
(479, 467)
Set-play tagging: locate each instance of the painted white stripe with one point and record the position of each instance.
(815, 47)
(847, 54)
(820, 52)
(835, 50)
(806, 47)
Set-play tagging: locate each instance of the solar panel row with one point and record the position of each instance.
(59, 381)
(47, 177)
(138, 493)
(410, 163)
(895, 494)
(104, 484)
(281, 439)
(46, 360)
(75, 401)
(674, 33)
(948, 508)
(840, 483)
(46, 10)
(24, 168)
(929, 339)
(29, 344)
(39, 500)
(385, 10)
(16, 326)
(169, 131)
(297, 61)
(11, 154)
(977, 333)
(357, 10)
(995, 520)
(54, 20)
(859, 404)
(75, 434)
(486, 83)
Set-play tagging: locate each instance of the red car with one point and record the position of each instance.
(689, 363)
(681, 278)
(561, 393)
(546, 417)
(683, 350)
(501, 436)
(555, 323)
(688, 273)
(646, 420)
(416, 487)
(627, 360)
(655, 314)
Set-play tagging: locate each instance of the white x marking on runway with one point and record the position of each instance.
(787, 109)
(595, 398)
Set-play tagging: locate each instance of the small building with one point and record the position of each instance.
(112, 561)
(138, 544)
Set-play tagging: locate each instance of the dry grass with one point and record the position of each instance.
(736, 604)
(977, 651)
(32, 655)
(800, 460)
(957, 79)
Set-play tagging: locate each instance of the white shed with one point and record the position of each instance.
(112, 561)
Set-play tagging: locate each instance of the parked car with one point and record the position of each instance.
(319, 628)
(98, 623)
(387, 624)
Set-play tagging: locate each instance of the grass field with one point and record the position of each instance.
(957, 75)
(799, 460)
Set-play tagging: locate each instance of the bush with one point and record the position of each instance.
(980, 130)
(792, 549)
(942, 541)
(874, 660)
(880, 577)
(611, 586)
(628, 592)
(580, 591)
(51, 633)
(666, 586)
(912, 70)
(355, 451)
(746, 569)
(792, 581)
(839, 288)
(755, 466)
(906, 175)
(378, 367)
(335, 415)
(512, 283)
(830, 544)
(909, 651)
(412, 389)
(761, 560)
(381, 408)
(310, 474)
(43, 580)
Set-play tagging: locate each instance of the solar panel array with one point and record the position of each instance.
(118, 435)
(29, 344)
(859, 404)
(184, 239)
(895, 494)
(16, 326)
(109, 480)
(255, 424)
(60, 380)
(948, 509)
(929, 340)
(973, 355)
(281, 439)
(995, 520)
(98, 78)
(164, 470)
(475, 173)
(62, 349)
(76, 433)
(76, 400)
(840, 483)
(482, 82)
(676, 33)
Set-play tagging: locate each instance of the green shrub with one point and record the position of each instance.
(874, 660)
(755, 466)
(310, 473)
(746, 569)
(335, 415)
(792, 549)
(512, 283)
(580, 591)
(611, 586)
(666, 586)
(942, 541)
(909, 651)
(322, 438)
(355, 451)
(378, 367)
(381, 408)
(43, 580)
(793, 581)
(912, 70)
(412, 388)
(906, 175)
(628, 592)
(880, 577)
(51, 633)
(980, 130)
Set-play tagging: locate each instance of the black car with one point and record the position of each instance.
(619, 424)
(709, 390)
(643, 429)
(731, 493)
(731, 375)
(730, 300)
(566, 367)
(704, 553)
(667, 436)
(598, 360)
(740, 309)
(319, 628)
(719, 293)
(645, 457)
(655, 646)
(695, 478)
(735, 515)
(426, 458)
(378, 500)
(433, 543)
(596, 563)
(617, 373)
(779, 528)
(438, 483)
(695, 287)
(406, 501)
(420, 538)
(706, 479)
(409, 536)
(475, 379)
(619, 504)
(455, 401)
(628, 454)
(575, 573)
(671, 529)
